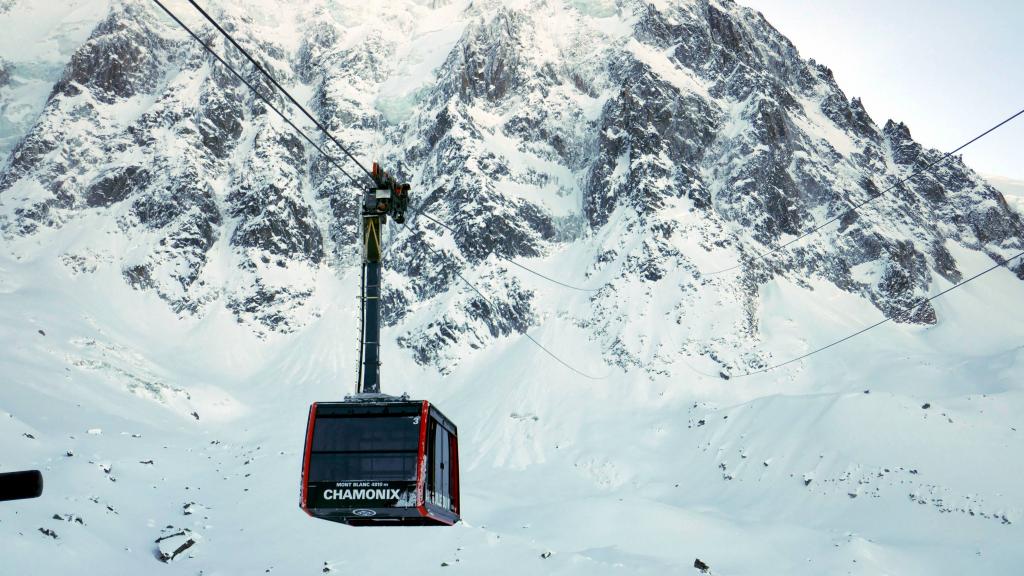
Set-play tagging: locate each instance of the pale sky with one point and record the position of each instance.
(949, 69)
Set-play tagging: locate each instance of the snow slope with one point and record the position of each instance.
(626, 474)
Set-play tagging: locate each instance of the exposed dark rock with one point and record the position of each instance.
(268, 202)
(904, 149)
(639, 146)
(5, 72)
(116, 185)
(221, 123)
(139, 277)
(267, 306)
(158, 208)
(945, 264)
(320, 38)
(174, 543)
(120, 59)
(288, 230)
(489, 59)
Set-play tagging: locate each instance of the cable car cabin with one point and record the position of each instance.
(381, 463)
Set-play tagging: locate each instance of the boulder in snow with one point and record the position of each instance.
(176, 542)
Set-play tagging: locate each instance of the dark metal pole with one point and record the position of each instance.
(369, 374)
(386, 197)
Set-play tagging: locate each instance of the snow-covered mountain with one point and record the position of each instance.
(180, 269)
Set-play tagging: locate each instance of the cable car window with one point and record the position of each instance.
(430, 460)
(439, 466)
(376, 433)
(364, 448)
(331, 466)
(442, 450)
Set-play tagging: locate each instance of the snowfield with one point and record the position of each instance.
(142, 422)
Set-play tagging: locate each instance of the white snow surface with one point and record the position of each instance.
(143, 420)
(629, 474)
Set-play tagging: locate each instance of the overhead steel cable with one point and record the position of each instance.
(509, 260)
(899, 313)
(859, 205)
(277, 85)
(495, 308)
(356, 182)
(337, 142)
(259, 95)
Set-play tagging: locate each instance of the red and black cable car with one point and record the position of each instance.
(374, 463)
(374, 459)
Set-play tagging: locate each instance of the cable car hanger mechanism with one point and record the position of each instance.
(385, 198)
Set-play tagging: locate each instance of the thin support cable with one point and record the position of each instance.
(510, 261)
(495, 308)
(277, 85)
(259, 95)
(899, 313)
(859, 205)
(320, 126)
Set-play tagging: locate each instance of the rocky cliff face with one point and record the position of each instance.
(657, 143)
